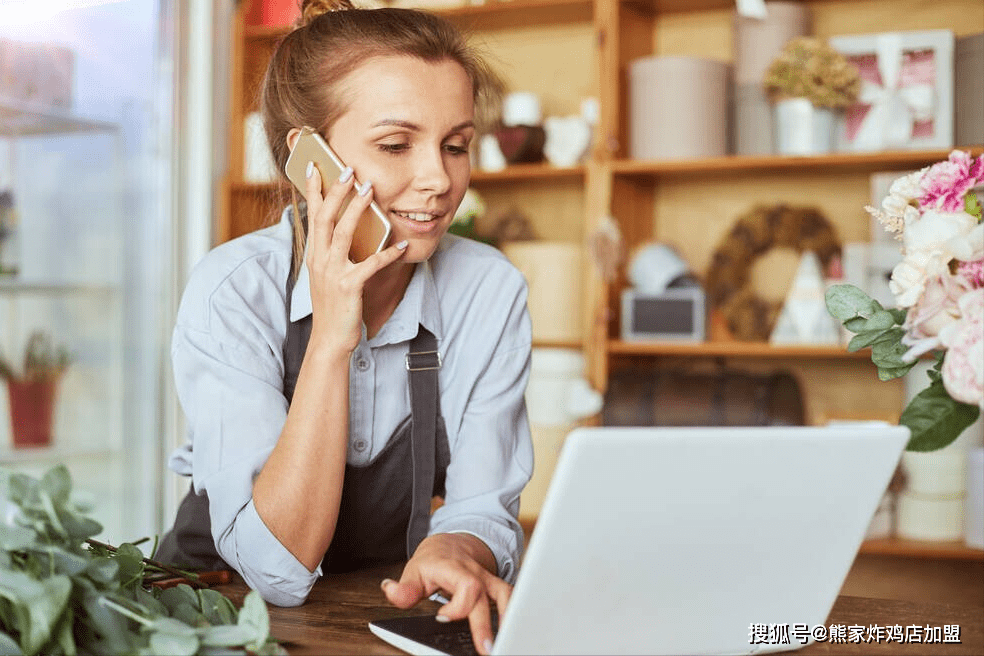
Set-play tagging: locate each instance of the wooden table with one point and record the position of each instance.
(334, 620)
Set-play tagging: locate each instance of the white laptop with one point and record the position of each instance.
(678, 540)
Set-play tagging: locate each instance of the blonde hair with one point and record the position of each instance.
(331, 39)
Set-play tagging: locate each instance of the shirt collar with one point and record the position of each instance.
(419, 306)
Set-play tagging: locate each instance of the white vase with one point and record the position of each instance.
(803, 129)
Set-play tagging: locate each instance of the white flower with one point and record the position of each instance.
(949, 232)
(908, 186)
(963, 364)
(909, 277)
(899, 206)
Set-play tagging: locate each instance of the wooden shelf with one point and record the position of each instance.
(921, 549)
(683, 6)
(734, 349)
(495, 14)
(859, 162)
(556, 343)
(526, 172)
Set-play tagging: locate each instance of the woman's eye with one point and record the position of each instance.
(455, 149)
(394, 148)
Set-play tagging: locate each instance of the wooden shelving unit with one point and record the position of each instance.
(820, 164)
(734, 349)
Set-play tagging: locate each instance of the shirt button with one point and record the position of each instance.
(360, 445)
(362, 364)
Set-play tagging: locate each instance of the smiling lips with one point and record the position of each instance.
(418, 221)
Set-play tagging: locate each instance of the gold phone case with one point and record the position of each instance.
(373, 230)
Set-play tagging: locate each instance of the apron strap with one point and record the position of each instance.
(423, 362)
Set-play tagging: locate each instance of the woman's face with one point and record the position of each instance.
(407, 129)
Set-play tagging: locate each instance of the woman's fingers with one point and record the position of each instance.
(324, 204)
(378, 261)
(470, 597)
(341, 241)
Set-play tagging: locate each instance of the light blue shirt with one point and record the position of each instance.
(228, 367)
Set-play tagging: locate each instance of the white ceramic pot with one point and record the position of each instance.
(803, 129)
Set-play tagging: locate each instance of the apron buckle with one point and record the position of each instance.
(423, 361)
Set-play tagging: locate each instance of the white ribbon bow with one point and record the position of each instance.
(894, 110)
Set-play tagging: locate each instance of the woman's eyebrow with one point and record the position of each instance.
(413, 126)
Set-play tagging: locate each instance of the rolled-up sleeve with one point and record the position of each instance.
(492, 453)
(229, 382)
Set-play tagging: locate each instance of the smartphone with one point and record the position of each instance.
(373, 230)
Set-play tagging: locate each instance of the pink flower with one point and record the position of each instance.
(972, 272)
(963, 363)
(946, 183)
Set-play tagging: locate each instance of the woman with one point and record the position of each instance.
(291, 361)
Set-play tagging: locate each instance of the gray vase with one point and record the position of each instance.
(803, 129)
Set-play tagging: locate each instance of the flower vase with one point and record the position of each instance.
(801, 128)
(32, 411)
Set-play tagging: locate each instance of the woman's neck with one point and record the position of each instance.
(382, 293)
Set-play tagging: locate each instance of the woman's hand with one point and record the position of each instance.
(460, 565)
(337, 282)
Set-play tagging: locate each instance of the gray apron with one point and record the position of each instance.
(385, 506)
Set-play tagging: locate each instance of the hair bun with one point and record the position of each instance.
(311, 9)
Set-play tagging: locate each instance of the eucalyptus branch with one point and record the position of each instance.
(190, 577)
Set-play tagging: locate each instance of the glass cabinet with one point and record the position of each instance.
(86, 254)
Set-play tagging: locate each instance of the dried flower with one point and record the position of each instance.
(809, 68)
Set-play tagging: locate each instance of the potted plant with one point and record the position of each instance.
(808, 83)
(32, 391)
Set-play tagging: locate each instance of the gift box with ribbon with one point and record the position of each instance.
(906, 100)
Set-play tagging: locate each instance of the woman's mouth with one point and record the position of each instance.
(419, 217)
(419, 222)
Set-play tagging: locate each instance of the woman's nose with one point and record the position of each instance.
(431, 174)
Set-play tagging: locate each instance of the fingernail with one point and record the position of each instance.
(366, 186)
(384, 583)
(309, 170)
(346, 174)
(403, 244)
(443, 619)
(488, 646)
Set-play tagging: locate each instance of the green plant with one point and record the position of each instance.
(42, 360)
(63, 593)
(809, 68)
(934, 418)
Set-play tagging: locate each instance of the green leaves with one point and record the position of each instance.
(62, 595)
(35, 607)
(934, 417)
(875, 327)
(972, 205)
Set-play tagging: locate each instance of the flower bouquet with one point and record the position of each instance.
(939, 289)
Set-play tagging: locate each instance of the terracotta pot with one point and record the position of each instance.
(32, 411)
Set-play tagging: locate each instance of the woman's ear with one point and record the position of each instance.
(292, 137)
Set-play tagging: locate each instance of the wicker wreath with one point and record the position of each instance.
(750, 317)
